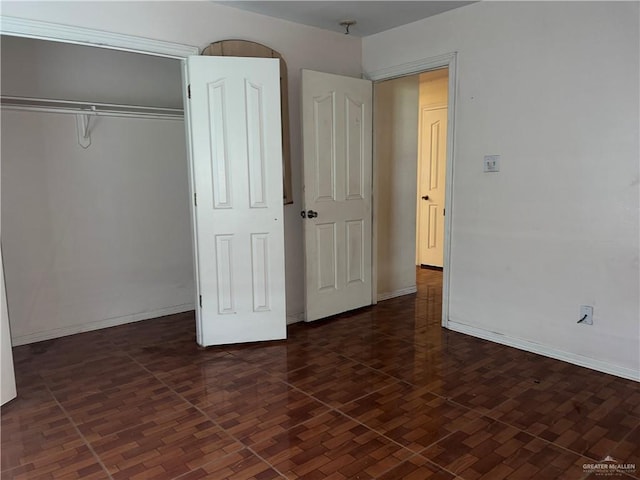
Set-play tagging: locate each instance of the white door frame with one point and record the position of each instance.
(448, 60)
(20, 27)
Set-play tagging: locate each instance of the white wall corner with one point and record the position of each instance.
(295, 318)
(397, 293)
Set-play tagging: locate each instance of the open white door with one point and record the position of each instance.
(7, 374)
(236, 151)
(337, 128)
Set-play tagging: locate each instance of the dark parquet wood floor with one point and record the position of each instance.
(383, 393)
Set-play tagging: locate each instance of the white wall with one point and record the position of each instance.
(97, 236)
(553, 88)
(76, 72)
(395, 163)
(200, 23)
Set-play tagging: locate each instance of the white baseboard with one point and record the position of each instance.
(295, 318)
(547, 351)
(397, 293)
(107, 322)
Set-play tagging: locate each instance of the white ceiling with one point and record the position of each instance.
(371, 16)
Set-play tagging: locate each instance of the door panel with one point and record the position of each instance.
(355, 251)
(324, 153)
(326, 258)
(236, 149)
(433, 131)
(336, 116)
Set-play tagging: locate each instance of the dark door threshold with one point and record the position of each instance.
(431, 267)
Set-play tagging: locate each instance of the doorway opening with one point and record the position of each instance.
(431, 173)
(401, 181)
(32, 29)
(95, 188)
(431, 188)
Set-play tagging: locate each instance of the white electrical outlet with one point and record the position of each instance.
(491, 163)
(586, 315)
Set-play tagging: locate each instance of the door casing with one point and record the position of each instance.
(448, 60)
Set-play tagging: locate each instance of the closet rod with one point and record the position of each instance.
(87, 108)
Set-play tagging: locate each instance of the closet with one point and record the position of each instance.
(95, 195)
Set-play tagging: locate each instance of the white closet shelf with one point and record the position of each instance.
(88, 108)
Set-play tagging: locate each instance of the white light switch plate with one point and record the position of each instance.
(492, 163)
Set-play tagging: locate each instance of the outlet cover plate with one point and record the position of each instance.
(588, 311)
(491, 163)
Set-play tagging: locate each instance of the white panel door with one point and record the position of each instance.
(7, 373)
(431, 186)
(236, 150)
(336, 122)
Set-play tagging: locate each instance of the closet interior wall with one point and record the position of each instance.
(97, 236)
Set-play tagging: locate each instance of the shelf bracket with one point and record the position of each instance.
(82, 126)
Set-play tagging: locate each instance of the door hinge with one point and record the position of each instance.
(200, 301)
(195, 199)
(189, 91)
(443, 211)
